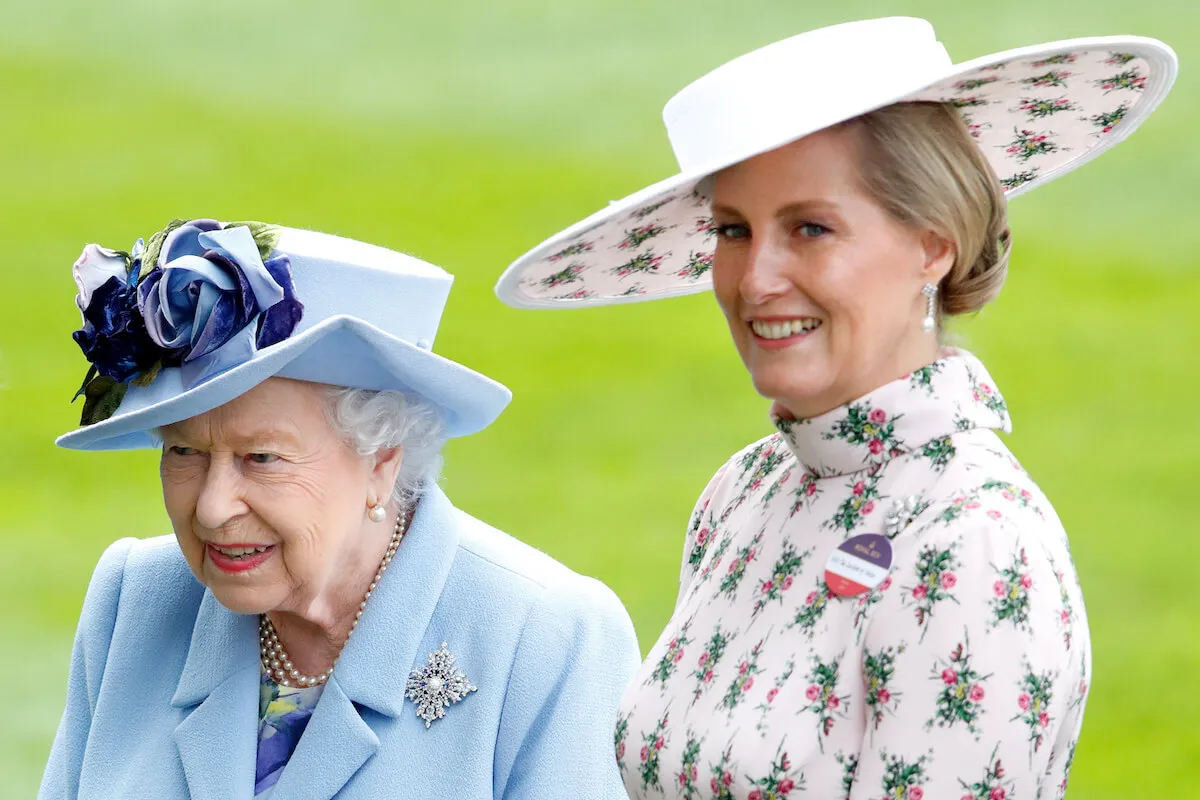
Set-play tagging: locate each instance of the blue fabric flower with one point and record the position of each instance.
(113, 336)
(209, 284)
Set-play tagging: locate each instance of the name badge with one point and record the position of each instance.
(859, 564)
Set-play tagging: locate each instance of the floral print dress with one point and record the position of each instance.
(962, 674)
(283, 714)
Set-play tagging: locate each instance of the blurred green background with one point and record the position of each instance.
(464, 132)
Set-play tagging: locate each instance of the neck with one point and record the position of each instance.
(315, 634)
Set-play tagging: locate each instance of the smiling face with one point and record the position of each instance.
(269, 503)
(821, 287)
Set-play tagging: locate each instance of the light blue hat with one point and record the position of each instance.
(209, 310)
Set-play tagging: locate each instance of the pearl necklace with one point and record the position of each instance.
(275, 659)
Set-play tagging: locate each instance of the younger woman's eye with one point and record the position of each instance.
(812, 230)
(180, 450)
(262, 458)
(733, 231)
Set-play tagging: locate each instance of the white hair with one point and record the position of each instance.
(371, 420)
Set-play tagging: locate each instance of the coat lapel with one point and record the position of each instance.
(218, 739)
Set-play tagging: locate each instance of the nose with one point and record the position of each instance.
(764, 278)
(221, 496)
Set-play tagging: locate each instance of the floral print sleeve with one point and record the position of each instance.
(702, 529)
(979, 635)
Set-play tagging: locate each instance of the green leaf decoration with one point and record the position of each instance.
(154, 246)
(103, 395)
(266, 236)
(147, 377)
(91, 373)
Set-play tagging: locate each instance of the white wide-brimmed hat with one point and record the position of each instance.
(208, 310)
(1036, 113)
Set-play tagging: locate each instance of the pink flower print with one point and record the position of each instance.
(915, 793)
(658, 743)
(786, 785)
(812, 693)
(833, 701)
(998, 793)
(920, 592)
(994, 514)
(755, 795)
(716, 787)
(702, 536)
(726, 779)
(827, 726)
(859, 488)
(767, 586)
(645, 752)
(1026, 581)
(971, 506)
(948, 580)
(1023, 701)
(1044, 720)
(785, 764)
(887, 582)
(787, 583)
(812, 598)
(1066, 616)
(999, 588)
(883, 695)
(1025, 495)
(708, 676)
(810, 490)
(683, 779)
(967, 797)
(975, 694)
(949, 677)
(1007, 495)
(875, 446)
(772, 694)
(749, 682)
(703, 658)
(868, 508)
(671, 645)
(679, 655)
(745, 665)
(878, 416)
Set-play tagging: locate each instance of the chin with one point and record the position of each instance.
(790, 385)
(243, 600)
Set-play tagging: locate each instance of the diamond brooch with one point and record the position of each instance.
(438, 686)
(901, 514)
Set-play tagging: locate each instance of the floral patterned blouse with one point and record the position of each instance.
(283, 714)
(962, 674)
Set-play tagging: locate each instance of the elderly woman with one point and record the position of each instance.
(323, 623)
(876, 600)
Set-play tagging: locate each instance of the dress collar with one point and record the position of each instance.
(954, 393)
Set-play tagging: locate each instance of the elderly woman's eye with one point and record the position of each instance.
(262, 458)
(179, 450)
(733, 231)
(812, 230)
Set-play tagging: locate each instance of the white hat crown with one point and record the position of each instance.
(752, 103)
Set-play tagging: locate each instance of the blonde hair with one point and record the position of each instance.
(921, 164)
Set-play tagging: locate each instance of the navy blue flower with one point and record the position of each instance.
(114, 335)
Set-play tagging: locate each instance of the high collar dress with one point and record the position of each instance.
(961, 674)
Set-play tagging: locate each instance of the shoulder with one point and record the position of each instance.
(131, 567)
(753, 462)
(503, 566)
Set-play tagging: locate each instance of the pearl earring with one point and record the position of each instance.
(929, 323)
(377, 513)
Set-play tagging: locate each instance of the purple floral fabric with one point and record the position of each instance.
(283, 714)
(963, 674)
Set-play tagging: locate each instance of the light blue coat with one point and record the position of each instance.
(162, 700)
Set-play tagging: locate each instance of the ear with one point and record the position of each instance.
(940, 254)
(385, 467)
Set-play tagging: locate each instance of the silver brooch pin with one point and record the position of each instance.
(438, 686)
(900, 515)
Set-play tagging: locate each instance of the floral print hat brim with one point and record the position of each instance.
(1036, 113)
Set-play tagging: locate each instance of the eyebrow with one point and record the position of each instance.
(249, 438)
(791, 209)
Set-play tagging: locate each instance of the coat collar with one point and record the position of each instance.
(954, 393)
(221, 672)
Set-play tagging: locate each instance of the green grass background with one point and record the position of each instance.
(464, 132)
